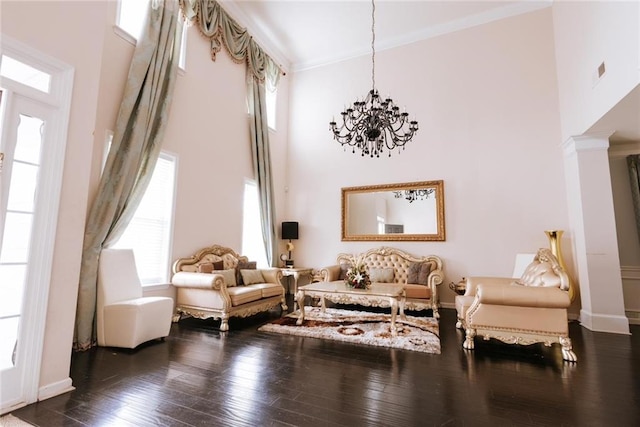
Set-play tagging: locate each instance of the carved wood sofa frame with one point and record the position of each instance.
(206, 295)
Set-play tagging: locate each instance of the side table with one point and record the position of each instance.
(296, 273)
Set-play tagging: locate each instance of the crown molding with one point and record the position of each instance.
(427, 33)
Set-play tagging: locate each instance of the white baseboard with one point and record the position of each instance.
(604, 323)
(54, 389)
(633, 316)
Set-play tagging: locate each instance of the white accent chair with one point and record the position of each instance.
(124, 317)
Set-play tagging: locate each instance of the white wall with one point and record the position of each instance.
(588, 33)
(486, 101)
(38, 24)
(208, 129)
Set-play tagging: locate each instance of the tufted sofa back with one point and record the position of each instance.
(400, 261)
(209, 255)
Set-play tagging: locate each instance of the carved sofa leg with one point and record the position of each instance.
(176, 317)
(436, 313)
(567, 351)
(224, 325)
(459, 324)
(468, 342)
(283, 304)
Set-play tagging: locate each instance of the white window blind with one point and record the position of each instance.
(252, 242)
(149, 232)
(131, 16)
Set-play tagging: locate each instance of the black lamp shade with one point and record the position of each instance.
(289, 230)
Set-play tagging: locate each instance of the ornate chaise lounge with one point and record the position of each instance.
(528, 310)
(219, 283)
(419, 275)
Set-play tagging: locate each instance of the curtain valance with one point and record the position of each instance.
(222, 30)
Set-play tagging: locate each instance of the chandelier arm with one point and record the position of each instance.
(375, 123)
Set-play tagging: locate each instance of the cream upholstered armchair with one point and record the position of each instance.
(528, 310)
(124, 317)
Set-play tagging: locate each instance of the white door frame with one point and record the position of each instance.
(32, 324)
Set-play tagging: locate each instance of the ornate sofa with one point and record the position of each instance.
(528, 310)
(217, 282)
(419, 275)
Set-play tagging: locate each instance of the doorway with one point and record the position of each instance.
(34, 111)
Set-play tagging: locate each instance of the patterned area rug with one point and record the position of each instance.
(11, 421)
(414, 333)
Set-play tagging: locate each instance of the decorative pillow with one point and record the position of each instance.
(414, 271)
(229, 276)
(205, 267)
(249, 277)
(249, 265)
(208, 267)
(381, 275)
(423, 276)
(343, 271)
(419, 273)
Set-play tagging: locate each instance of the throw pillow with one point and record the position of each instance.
(343, 271)
(242, 265)
(249, 277)
(206, 267)
(423, 276)
(381, 275)
(419, 273)
(414, 272)
(229, 276)
(218, 265)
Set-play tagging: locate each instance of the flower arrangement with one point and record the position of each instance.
(357, 276)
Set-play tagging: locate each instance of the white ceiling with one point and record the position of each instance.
(302, 34)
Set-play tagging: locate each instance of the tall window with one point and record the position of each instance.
(252, 241)
(130, 19)
(149, 232)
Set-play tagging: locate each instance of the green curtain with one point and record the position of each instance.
(262, 164)
(633, 163)
(134, 151)
(222, 30)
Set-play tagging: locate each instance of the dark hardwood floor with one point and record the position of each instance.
(199, 376)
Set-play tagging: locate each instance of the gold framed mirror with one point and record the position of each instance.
(394, 212)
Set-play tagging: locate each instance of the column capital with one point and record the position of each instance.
(594, 141)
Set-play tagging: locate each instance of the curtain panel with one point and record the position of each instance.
(262, 72)
(633, 163)
(134, 151)
(222, 30)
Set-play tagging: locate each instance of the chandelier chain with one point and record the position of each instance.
(373, 44)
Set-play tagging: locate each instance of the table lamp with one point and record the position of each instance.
(289, 232)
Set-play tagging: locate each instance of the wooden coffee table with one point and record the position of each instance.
(378, 295)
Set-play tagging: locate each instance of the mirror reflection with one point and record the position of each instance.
(407, 211)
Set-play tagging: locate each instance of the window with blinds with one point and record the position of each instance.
(149, 232)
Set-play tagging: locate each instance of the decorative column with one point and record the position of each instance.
(593, 228)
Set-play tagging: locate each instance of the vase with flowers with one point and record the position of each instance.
(357, 276)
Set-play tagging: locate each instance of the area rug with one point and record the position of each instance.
(11, 421)
(359, 327)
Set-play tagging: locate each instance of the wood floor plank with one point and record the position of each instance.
(244, 377)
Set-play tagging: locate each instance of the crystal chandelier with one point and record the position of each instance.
(375, 123)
